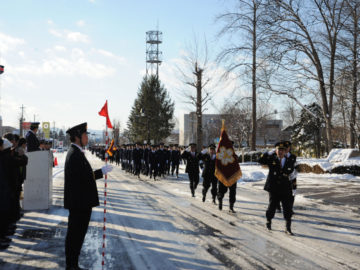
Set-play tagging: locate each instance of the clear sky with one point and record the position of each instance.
(64, 58)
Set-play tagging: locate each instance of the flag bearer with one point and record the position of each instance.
(208, 173)
(80, 193)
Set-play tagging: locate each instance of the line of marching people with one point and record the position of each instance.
(13, 161)
(150, 160)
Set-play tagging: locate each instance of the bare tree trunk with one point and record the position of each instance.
(199, 87)
(355, 80)
(253, 132)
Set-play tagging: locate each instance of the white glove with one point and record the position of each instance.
(271, 152)
(294, 192)
(106, 169)
(204, 151)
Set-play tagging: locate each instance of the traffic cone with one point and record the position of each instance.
(55, 162)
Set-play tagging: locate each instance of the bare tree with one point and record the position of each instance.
(305, 37)
(243, 53)
(196, 73)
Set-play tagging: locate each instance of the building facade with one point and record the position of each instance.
(268, 131)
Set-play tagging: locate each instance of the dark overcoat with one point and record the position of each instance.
(209, 168)
(278, 178)
(32, 142)
(6, 194)
(80, 190)
(192, 164)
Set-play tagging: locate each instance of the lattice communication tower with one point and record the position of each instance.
(153, 55)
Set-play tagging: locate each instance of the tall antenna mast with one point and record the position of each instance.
(153, 55)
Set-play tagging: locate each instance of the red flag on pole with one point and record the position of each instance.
(104, 112)
(227, 168)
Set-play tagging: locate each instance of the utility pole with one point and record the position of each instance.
(22, 120)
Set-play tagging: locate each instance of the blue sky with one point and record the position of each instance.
(64, 58)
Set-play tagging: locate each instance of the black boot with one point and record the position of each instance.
(203, 198)
(268, 225)
(288, 228)
(220, 204)
(214, 201)
(231, 210)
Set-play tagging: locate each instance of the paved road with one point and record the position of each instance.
(158, 225)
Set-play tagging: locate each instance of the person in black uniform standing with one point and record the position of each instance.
(32, 141)
(208, 172)
(192, 166)
(278, 183)
(80, 193)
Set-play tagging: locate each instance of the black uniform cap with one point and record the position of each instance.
(192, 144)
(212, 146)
(77, 130)
(34, 125)
(161, 143)
(280, 145)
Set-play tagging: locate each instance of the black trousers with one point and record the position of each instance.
(173, 167)
(153, 169)
(194, 181)
(274, 200)
(223, 189)
(207, 182)
(78, 223)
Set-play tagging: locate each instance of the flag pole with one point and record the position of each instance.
(105, 194)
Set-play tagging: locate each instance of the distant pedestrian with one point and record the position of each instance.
(80, 193)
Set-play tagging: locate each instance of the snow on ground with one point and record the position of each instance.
(158, 225)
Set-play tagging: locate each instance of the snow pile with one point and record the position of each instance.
(338, 161)
(252, 176)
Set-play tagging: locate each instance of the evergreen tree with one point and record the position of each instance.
(307, 131)
(152, 112)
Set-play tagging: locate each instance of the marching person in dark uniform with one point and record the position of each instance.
(192, 166)
(292, 176)
(146, 159)
(80, 193)
(161, 155)
(208, 172)
(137, 156)
(153, 162)
(32, 141)
(175, 160)
(168, 159)
(278, 183)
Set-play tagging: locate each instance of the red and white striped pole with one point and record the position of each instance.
(105, 194)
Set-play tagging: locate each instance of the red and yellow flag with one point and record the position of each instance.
(111, 148)
(227, 168)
